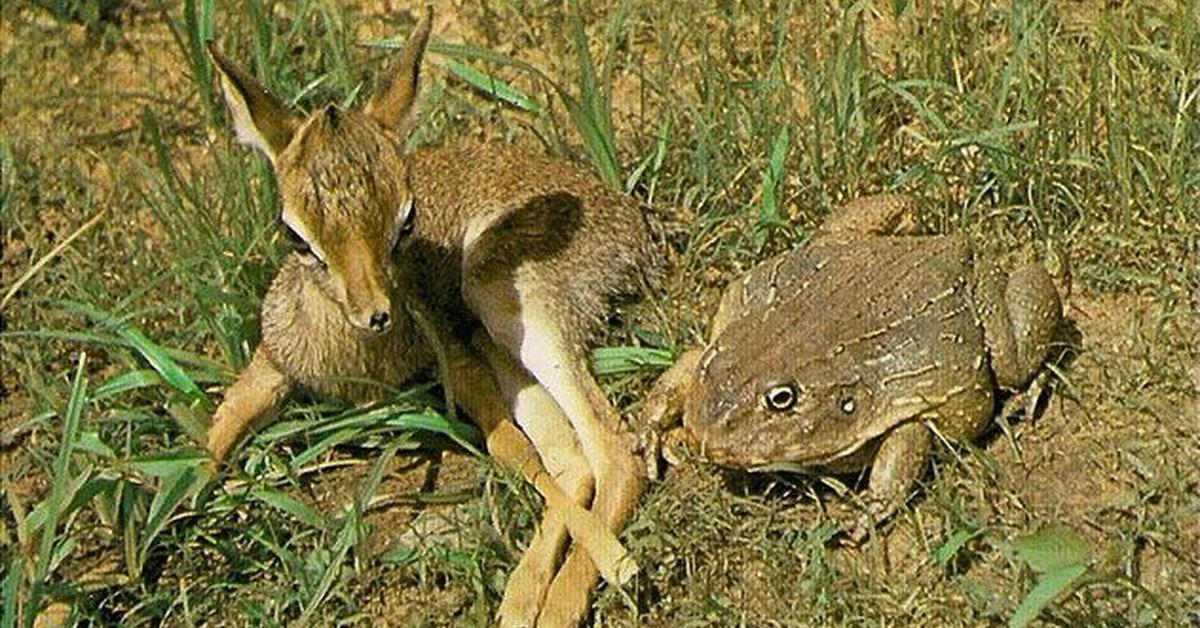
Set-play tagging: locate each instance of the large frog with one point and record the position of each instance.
(858, 349)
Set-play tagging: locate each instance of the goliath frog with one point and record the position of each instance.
(857, 349)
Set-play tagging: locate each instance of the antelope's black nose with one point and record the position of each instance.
(380, 321)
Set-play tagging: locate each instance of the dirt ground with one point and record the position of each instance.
(1113, 455)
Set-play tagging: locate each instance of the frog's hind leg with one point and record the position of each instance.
(881, 214)
(1021, 313)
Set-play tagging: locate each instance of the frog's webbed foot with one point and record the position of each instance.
(858, 530)
(663, 408)
(1028, 401)
(898, 465)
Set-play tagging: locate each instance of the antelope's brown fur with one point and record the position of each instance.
(510, 264)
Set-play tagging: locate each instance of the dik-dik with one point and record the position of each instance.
(500, 260)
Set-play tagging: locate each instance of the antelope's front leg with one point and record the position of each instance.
(253, 400)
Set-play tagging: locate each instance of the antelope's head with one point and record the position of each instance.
(342, 176)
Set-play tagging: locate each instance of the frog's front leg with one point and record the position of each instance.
(881, 215)
(663, 407)
(898, 464)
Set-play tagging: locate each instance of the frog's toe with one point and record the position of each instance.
(650, 447)
(858, 531)
(1029, 400)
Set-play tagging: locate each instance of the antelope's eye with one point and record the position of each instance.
(294, 240)
(410, 223)
(780, 398)
(409, 211)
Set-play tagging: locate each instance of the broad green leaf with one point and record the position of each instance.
(1061, 558)
(1049, 587)
(1052, 547)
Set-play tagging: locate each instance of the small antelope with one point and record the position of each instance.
(492, 263)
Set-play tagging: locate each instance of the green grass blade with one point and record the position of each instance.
(158, 358)
(651, 164)
(589, 115)
(198, 21)
(348, 536)
(492, 86)
(173, 490)
(592, 114)
(211, 369)
(125, 382)
(950, 548)
(91, 443)
(289, 505)
(386, 420)
(11, 588)
(769, 216)
(61, 486)
(167, 464)
(625, 360)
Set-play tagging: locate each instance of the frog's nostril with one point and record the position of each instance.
(380, 321)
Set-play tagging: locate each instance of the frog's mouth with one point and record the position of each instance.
(782, 447)
(718, 449)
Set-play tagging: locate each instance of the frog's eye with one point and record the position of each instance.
(780, 398)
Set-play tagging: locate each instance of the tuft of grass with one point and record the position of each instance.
(588, 106)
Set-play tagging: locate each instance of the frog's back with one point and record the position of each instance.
(886, 322)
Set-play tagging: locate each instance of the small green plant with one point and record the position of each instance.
(1060, 557)
(769, 216)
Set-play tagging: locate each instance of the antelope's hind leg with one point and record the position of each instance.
(520, 317)
(546, 425)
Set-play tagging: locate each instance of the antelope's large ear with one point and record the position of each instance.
(259, 119)
(394, 104)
